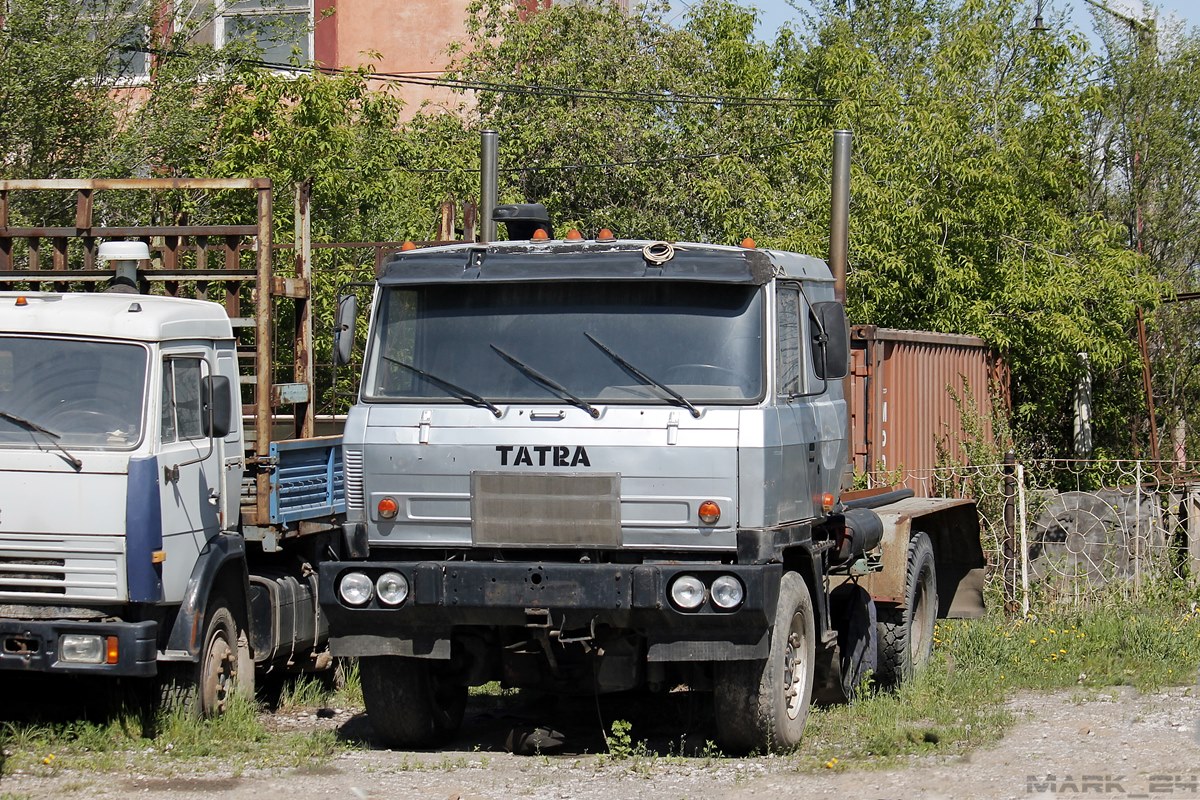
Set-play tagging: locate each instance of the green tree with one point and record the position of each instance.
(1145, 172)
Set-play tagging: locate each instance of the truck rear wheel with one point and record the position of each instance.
(225, 668)
(409, 703)
(763, 705)
(906, 634)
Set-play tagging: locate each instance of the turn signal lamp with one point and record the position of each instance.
(710, 512)
(540, 235)
(574, 235)
(111, 651)
(388, 508)
(827, 502)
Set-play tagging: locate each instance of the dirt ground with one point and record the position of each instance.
(1113, 743)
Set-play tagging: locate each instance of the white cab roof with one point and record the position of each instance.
(134, 317)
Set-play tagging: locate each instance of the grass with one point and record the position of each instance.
(954, 705)
(179, 745)
(958, 702)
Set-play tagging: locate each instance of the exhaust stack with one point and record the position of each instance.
(489, 179)
(839, 212)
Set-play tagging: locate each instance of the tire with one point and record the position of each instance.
(763, 705)
(409, 704)
(853, 614)
(225, 669)
(906, 634)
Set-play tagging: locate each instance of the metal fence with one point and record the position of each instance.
(1075, 532)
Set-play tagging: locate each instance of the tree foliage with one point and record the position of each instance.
(996, 168)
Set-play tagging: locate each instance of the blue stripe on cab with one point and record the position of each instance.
(143, 531)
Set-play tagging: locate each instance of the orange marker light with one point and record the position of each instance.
(408, 245)
(388, 508)
(827, 502)
(158, 556)
(605, 235)
(574, 235)
(748, 243)
(111, 651)
(710, 512)
(21, 301)
(540, 235)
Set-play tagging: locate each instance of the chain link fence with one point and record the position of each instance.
(1077, 532)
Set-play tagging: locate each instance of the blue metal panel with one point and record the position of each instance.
(143, 531)
(308, 481)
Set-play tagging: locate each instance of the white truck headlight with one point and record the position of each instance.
(392, 588)
(727, 592)
(81, 648)
(355, 588)
(687, 592)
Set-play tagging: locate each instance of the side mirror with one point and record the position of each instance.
(216, 413)
(343, 334)
(831, 340)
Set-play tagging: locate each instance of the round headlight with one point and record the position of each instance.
(355, 588)
(392, 588)
(727, 592)
(687, 592)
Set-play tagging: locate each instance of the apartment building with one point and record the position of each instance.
(405, 37)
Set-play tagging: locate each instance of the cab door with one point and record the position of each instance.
(797, 439)
(190, 469)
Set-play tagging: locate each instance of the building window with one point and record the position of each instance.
(120, 27)
(280, 30)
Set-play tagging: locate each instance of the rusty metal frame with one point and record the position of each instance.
(230, 241)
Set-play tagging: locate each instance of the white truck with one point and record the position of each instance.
(606, 465)
(146, 531)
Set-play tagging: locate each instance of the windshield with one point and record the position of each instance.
(83, 394)
(499, 341)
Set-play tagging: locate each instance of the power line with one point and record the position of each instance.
(567, 92)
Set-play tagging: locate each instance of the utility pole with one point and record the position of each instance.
(1142, 31)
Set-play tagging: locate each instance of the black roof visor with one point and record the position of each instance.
(520, 262)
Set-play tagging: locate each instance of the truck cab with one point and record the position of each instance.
(592, 466)
(121, 462)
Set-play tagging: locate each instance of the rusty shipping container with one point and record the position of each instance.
(910, 392)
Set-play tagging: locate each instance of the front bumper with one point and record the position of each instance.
(33, 646)
(562, 597)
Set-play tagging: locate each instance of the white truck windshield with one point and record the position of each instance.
(701, 341)
(83, 394)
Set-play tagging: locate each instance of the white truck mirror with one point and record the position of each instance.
(217, 414)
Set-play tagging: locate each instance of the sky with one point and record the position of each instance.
(775, 13)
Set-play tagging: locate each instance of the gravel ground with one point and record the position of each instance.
(1114, 743)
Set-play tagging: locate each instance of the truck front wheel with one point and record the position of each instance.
(763, 705)
(906, 634)
(409, 703)
(206, 688)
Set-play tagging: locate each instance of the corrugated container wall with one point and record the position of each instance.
(910, 392)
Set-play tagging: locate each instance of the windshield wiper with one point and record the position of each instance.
(51, 435)
(642, 376)
(549, 383)
(465, 395)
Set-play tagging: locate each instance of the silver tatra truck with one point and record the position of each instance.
(605, 465)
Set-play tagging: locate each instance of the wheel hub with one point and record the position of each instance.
(219, 670)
